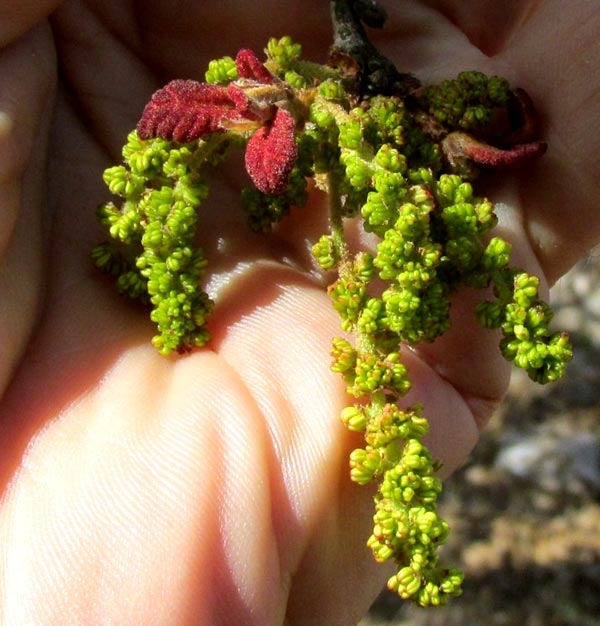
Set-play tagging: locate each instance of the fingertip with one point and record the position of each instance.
(16, 18)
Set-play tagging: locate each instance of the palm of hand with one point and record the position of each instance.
(213, 489)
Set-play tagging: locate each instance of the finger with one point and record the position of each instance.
(17, 18)
(212, 472)
(211, 29)
(557, 53)
(488, 24)
(26, 90)
(107, 82)
(146, 501)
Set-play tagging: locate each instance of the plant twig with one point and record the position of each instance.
(353, 51)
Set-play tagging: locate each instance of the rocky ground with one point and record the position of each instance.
(525, 510)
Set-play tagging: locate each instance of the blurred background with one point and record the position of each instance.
(525, 510)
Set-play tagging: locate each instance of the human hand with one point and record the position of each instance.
(214, 488)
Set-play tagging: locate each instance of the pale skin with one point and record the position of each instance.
(213, 489)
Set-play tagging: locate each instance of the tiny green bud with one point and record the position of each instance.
(325, 252)
(283, 51)
(364, 464)
(343, 354)
(221, 71)
(354, 418)
(390, 159)
(332, 90)
(297, 81)
(407, 584)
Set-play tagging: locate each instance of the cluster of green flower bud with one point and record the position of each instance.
(284, 60)
(467, 102)
(431, 242)
(367, 372)
(433, 237)
(283, 52)
(160, 192)
(406, 527)
(525, 323)
(406, 524)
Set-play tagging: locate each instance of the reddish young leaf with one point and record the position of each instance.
(248, 66)
(459, 145)
(271, 153)
(185, 110)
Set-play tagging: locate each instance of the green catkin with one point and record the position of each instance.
(433, 235)
(160, 193)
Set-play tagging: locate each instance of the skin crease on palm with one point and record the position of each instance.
(213, 489)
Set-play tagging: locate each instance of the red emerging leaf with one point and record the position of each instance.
(185, 110)
(271, 153)
(248, 66)
(459, 145)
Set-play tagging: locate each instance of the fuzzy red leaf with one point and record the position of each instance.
(271, 153)
(516, 155)
(248, 66)
(185, 110)
(459, 145)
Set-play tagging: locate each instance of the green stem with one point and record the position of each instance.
(377, 401)
(336, 219)
(207, 150)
